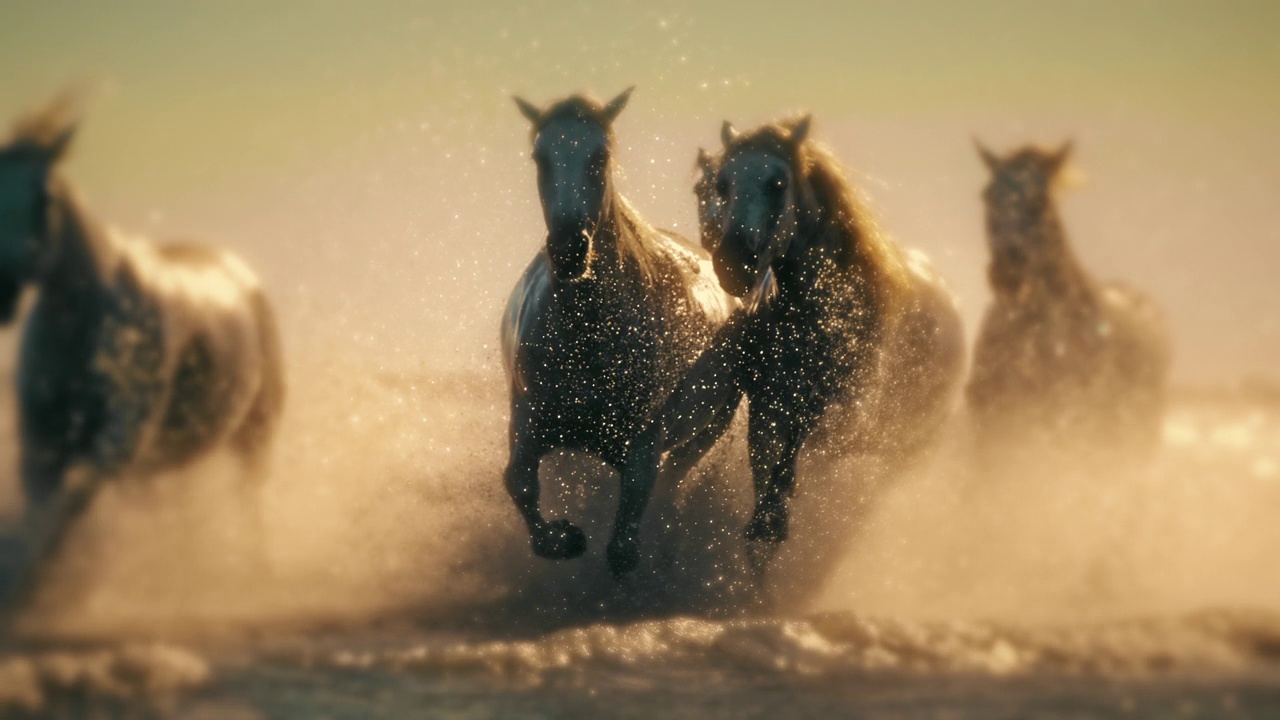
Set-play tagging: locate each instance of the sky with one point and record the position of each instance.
(368, 161)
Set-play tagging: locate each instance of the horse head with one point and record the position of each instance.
(572, 141)
(27, 162)
(764, 195)
(1019, 200)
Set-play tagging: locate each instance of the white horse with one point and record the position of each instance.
(136, 357)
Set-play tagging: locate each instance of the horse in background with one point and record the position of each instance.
(1060, 357)
(136, 357)
(857, 349)
(603, 323)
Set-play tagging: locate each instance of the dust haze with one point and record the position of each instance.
(389, 219)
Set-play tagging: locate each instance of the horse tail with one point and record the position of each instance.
(256, 431)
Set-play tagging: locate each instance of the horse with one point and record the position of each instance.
(136, 358)
(1060, 355)
(847, 345)
(603, 322)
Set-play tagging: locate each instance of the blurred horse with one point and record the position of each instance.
(136, 357)
(1060, 357)
(598, 330)
(847, 346)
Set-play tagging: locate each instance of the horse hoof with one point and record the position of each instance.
(559, 540)
(623, 558)
(770, 528)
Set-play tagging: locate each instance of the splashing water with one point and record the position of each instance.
(389, 557)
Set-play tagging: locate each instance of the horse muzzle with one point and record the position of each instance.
(570, 253)
(735, 267)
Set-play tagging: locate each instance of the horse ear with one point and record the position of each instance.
(50, 130)
(989, 158)
(800, 129)
(615, 106)
(56, 147)
(705, 162)
(528, 109)
(1059, 159)
(728, 132)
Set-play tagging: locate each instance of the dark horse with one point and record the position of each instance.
(857, 349)
(136, 357)
(1059, 353)
(599, 329)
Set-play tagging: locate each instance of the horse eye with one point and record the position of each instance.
(779, 184)
(722, 187)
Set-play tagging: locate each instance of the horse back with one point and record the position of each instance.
(697, 276)
(217, 341)
(922, 361)
(1143, 347)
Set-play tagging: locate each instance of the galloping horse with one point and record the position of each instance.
(599, 329)
(857, 348)
(136, 357)
(1059, 353)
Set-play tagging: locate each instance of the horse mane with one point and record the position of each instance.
(635, 237)
(842, 212)
(874, 254)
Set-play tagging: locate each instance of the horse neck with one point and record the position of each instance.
(85, 253)
(825, 270)
(1057, 274)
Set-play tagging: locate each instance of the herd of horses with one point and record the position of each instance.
(620, 339)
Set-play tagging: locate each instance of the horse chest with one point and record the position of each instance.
(797, 366)
(592, 388)
(62, 400)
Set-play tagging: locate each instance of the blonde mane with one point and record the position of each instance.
(874, 255)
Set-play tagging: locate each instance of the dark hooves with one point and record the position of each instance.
(768, 527)
(559, 540)
(623, 558)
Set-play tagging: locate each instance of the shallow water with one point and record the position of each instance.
(397, 583)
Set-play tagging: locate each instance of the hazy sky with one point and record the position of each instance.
(367, 158)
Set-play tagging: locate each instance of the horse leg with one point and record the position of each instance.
(42, 468)
(637, 478)
(556, 539)
(249, 496)
(49, 523)
(253, 441)
(709, 392)
(700, 410)
(773, 468)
